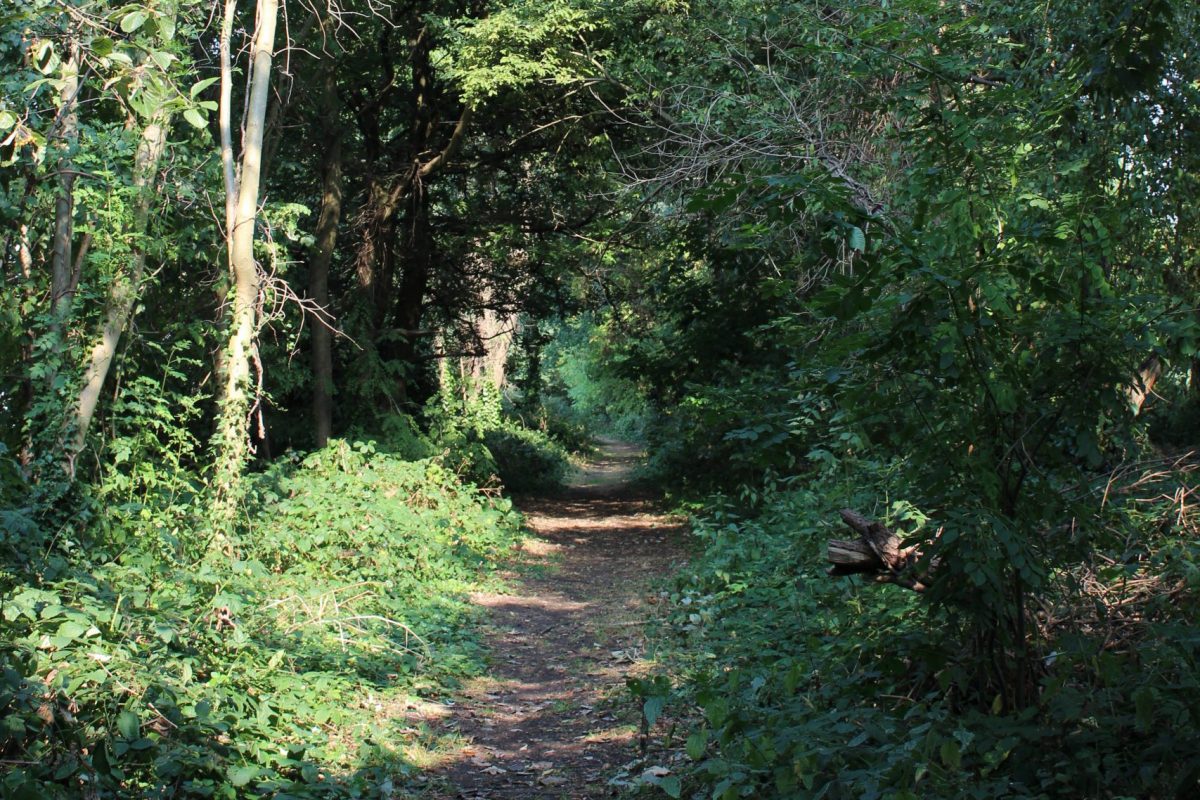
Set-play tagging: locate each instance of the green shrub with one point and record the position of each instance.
(527, 460)
(148, 675)
(556, 419)
(400, 435)
(807, 686)
(486, 447)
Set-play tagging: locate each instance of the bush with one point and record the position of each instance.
(527, 460)
(487, 447)
(400, 435)
(556, 419)
(148, 676)
(807, 686)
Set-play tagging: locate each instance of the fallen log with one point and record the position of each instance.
(877, 552)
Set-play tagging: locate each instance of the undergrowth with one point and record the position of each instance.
(141, 665)
(804, 686)
(491, 447)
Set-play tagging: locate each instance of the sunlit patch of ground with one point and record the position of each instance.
(552, 717)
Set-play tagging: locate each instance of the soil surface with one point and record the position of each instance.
(552, 718)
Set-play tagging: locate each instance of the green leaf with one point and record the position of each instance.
(128, 725)
(70, 630)
(696, 745)
(44, 57)
(201, 86)
(133, 20)
(100, 759)
(653, 709)
(951, 756)
(162, 58)
(196, 119)
(671, 786)
(240, 776)
(166, 27)
(858, 240)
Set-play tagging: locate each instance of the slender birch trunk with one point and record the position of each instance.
(232, 434)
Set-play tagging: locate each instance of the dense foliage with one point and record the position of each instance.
(288, 293)
(143, 672)
(927, 262)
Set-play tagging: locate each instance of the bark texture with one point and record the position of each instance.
(232, 436)
(320, 259)
(877, 552)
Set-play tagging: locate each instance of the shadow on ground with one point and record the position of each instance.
(551, 718)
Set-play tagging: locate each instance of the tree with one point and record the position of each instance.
(241, 211)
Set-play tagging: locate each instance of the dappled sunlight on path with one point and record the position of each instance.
(551, 719)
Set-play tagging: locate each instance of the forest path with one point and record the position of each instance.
(551, 718)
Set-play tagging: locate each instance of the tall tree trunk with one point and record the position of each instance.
(61, 262)
(411, 301)
(376, 260)
(320, 258)
(494, 334)
(64, 203)
(65, 135)
(419, 254)
(232, 440)
(126, 287)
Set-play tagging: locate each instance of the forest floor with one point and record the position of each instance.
(552, 717)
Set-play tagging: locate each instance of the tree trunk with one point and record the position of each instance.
(65, 137)
(64, 203)
(376, 261)
(61, 262)
(232, 439)
(126, 287)
(494, 334)
(319, 260)
(410, 304)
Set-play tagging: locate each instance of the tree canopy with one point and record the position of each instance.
(288, 291)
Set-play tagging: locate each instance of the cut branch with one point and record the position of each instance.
(1147, 375)
(877, 552)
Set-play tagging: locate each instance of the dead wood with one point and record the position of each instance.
(877, 552)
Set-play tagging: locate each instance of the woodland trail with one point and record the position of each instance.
(551, 718)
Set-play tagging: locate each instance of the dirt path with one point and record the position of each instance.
(552, 719)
